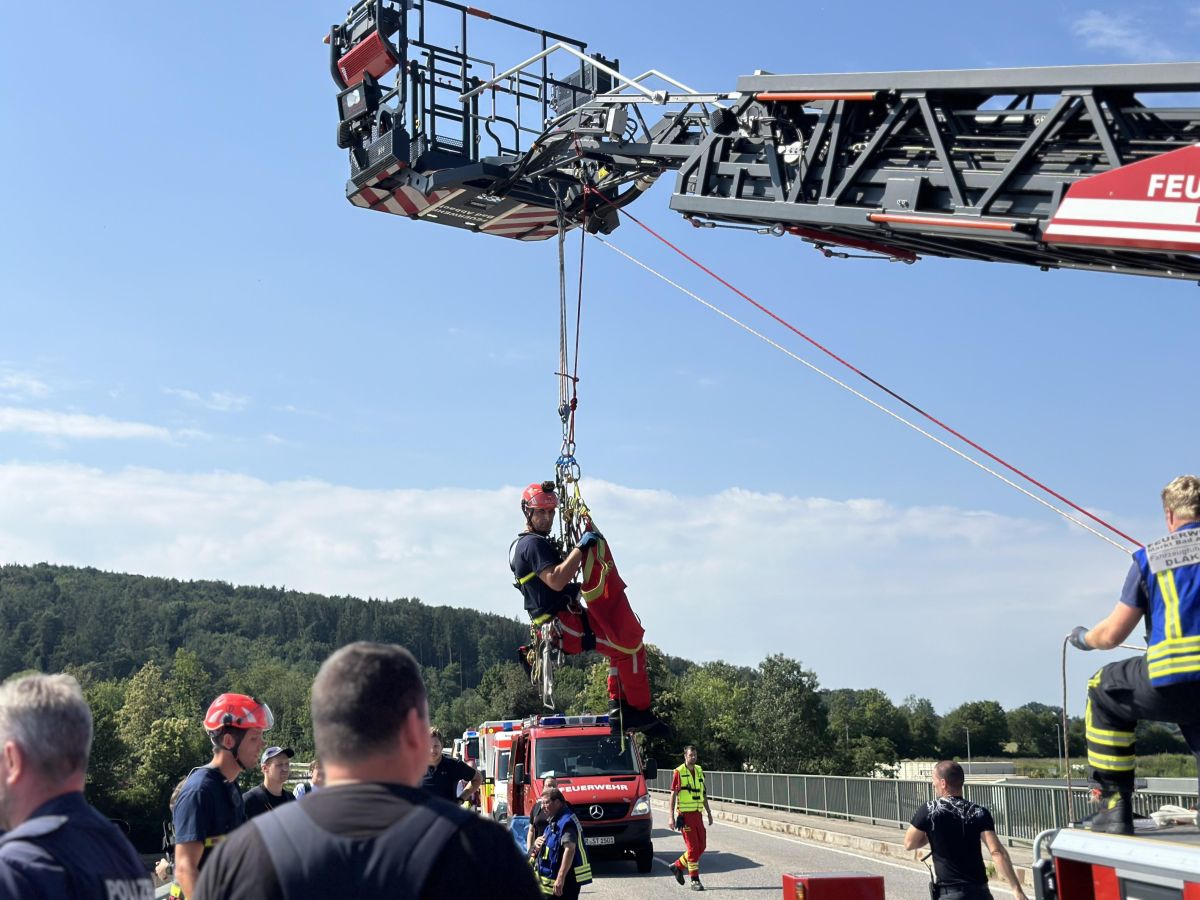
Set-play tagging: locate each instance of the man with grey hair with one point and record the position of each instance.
(1163, 685)
(56, 847)
(370, 832)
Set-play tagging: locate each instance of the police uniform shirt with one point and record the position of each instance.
(85, 856)
(442, 780)
(954, 826)
(479, 860)
(208, 807)
(259, 800)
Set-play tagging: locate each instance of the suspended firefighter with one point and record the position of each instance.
(592, 613)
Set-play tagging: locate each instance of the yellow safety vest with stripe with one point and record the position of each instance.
(1170, 570)
(691, 789)
(551, 856)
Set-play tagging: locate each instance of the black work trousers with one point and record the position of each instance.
(1119, 696)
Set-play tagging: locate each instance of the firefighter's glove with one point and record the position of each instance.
(588, 538)
(1077, 640)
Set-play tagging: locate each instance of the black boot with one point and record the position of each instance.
(523, 659)
(644, 720)
(1115, 816)
(614, 718)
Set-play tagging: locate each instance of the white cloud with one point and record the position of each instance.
(1123, 35)
(22, 386)
(944, 603)
(217, 401)
(53, 424)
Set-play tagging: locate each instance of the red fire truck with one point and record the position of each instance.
(603, 777)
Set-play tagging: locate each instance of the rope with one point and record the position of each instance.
(899, 418)
(879, 385)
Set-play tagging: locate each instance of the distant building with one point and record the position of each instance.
(922, 769)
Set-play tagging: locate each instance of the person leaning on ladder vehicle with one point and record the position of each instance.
(1163, 585)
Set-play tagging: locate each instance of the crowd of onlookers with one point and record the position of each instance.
(380, 815)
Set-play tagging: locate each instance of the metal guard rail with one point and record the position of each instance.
(1021, 811)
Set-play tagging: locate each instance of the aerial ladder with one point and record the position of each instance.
(1084, 167)
(1081, 167)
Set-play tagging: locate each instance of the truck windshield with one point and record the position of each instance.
(502, 766)
(583, 755)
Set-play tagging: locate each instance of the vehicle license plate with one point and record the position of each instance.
(599, 841)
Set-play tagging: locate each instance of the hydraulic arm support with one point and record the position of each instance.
(1091, 167)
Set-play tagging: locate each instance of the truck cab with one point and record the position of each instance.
(603, 778)
(495, 739)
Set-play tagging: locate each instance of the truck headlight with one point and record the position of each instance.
(641, 806)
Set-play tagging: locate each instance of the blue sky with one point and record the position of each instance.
(212, 366)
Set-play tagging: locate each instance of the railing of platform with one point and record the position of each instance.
(1021, 811)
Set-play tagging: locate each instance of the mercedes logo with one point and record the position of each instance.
(596, 811)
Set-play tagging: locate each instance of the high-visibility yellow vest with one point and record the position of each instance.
(691, 789)
(1172, 577)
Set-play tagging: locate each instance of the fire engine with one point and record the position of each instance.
(495, 738)
(1081, 167)
(601, 775)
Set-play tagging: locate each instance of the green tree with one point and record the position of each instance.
(868, 713)
(788, 730)
(507, 693)
(146, 701)
(983, 719)
(711, 713)
(1036, 729)
(922, 727)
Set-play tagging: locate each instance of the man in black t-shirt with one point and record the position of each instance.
(953, 827)
(276, 766)
(445, 773)
(370, 832)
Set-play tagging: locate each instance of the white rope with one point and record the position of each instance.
(899, 418)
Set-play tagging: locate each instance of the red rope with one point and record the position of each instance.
(867, 377)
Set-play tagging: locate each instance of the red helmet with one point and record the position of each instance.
(238, 711)
(539, 495)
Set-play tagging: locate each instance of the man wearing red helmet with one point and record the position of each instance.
(209, 805)
(543, 574)
(546, 580)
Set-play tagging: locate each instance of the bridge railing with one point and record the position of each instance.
(1021, 811)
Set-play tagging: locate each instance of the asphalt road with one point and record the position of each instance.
(742, 859)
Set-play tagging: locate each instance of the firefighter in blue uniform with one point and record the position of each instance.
(209, 805)
(562, 861)
(1163, 585)
(56, 846)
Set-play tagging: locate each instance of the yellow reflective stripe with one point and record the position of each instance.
(1125, 737)
(528, 578)
(1174, 645)
(1166, 584)
(1097, 738)
(1111, 762)
(1094, 681)
(1175, 665)
(591, 560)
(213, 841)
(542, 619)
(176, 890)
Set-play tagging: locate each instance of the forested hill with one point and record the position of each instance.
(108, 625)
